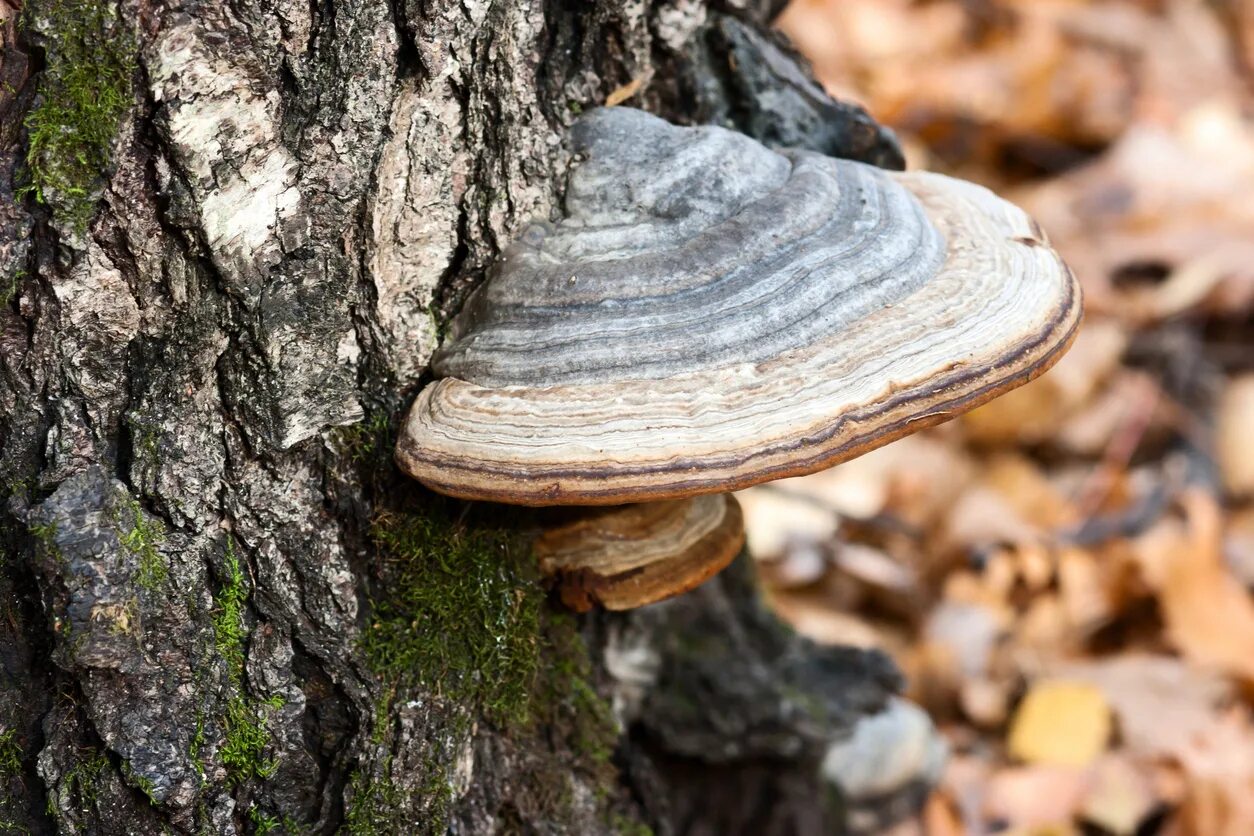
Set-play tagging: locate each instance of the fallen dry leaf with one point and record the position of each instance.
(776, 517)
(1167, 197)
(1032, 798)
(1212, 808)
(1089, 431)
(1234, 435)
(1044, 627)
(819, 621)
(940, 818)
(1155, 550)
(876, 569)
(1119, 796)
(802, 563)
(1162, 704)
(622, 94)
(1083, 592)
(1239, 545)
(982, 516)
(1024, 484)
(967, 633)
(1060, 723)
(1209, 614)
(985, 702)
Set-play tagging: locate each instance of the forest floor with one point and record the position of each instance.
(1066, 574)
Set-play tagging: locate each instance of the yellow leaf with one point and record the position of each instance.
(1060, 723)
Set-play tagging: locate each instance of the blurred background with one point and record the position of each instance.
(1065, 575)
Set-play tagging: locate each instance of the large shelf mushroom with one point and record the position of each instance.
(711, 314)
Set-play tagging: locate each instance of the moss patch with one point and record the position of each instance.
(245, 728)
(8, 289)
(367, 444)
(457, 611)
(623, 826)
(140, 536)
(374, 801)
(197, 744)
(564, 734)
(10, 754)
(81, 784)
(84, 91)
(228, 613)
(264, 822)
(457, 615)
(571, 734)
(45, 534)
(140, 782)
(565, 704)
(460, 611)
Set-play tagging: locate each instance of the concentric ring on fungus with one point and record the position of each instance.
(627, 556)
(711, 314)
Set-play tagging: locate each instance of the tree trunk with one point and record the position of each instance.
(230, 233)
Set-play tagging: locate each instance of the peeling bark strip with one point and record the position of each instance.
(224, 611)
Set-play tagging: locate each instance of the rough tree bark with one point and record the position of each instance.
(229, 235)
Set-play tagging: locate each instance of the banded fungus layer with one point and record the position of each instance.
(711, 314)
(626, 556)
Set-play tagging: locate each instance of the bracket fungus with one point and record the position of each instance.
(627, 556)
(711, 314)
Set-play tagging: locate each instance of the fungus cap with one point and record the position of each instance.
(627, 556)
(711, 314)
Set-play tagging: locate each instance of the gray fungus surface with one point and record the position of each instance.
(712, 313)
(689, 248)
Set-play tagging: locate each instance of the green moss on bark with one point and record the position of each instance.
(570, 736)
(566, 706)
(455, 614)
(375, 802)
(139, 782)
(84, 91)
(140, 536)
(10, 754)
(79, 788)
(458, 612)
(563, 735)
(8, 289)
(246, 735)
(45, 534)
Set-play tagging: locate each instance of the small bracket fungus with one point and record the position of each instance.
(627, 556)
(711, 314)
